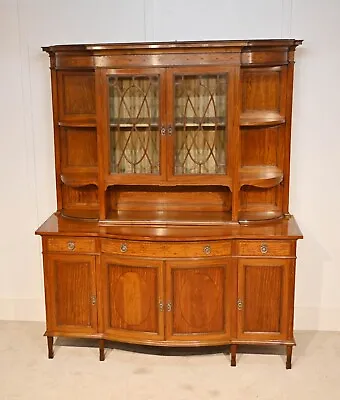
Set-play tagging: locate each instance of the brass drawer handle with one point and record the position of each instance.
(71, 246)
(169, 306)
(207, 250)
(264, 248)
(123, 248)
(163, 130)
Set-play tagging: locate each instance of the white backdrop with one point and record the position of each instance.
(26, 147)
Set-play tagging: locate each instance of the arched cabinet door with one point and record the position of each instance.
(198, 301)
(132, 299)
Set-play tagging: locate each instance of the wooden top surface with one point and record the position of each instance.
(286, 228)
(185, 45)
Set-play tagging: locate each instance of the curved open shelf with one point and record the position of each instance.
(251, 217)
(266, 176)
(79, 179)
(83, 215)
(261, 118)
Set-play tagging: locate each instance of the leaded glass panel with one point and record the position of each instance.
(134, 124)
(200, 121)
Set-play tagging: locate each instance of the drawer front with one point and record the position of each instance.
(265, 248)
(71, 245)
(161, 249)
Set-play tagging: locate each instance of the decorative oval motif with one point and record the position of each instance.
(194, 308)
(132, 299)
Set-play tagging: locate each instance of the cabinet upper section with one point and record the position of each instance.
(244, 52)
(173, 130)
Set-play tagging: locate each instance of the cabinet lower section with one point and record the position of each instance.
(208, 293)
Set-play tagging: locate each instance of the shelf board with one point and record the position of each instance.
(77, 124)
(261, 118)
(174, 218)
(130, 125)
(79, 179)
(84, 215)
(261, 176)
(249, 217)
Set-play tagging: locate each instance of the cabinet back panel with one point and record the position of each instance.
(260, 146)
(261, 89)
(76, 92)
(78, 149)
(84, 197)
(258, 199)
(171, 198)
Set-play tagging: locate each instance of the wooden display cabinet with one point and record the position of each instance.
(172, 172)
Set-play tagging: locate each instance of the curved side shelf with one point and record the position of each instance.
(77, 124)
(252, 217)
(261, 118)
(261, 176)
(83, 215)
(79, 179)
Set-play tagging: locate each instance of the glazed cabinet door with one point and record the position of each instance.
(133, 299)
(133, 118)
(265, 299)
(71, 295)
(197, 305)
(200, 122)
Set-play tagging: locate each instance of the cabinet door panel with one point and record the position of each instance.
(263, 298)
(133, 296)
(200, 117)
(71, 293)
(135, 114)
(197, 301)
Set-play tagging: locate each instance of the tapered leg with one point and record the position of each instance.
(233, 349)
(289, 357)
(101, 350)
(50, 346)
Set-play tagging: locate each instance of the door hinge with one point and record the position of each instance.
(161, 305)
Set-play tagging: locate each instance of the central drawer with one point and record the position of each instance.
(165, 249)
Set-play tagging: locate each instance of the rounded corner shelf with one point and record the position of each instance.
(77, 124)
(260, 176)
(81, 215)
(79, 179)
(256, 217)
(255, 118)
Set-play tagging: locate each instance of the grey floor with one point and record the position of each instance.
(138, 373)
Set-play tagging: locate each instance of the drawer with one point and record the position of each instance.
(264, 248)
(164, 249)
(70, 245)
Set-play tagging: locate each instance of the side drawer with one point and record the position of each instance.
(70, 245)
(164, 249)
(265, 248)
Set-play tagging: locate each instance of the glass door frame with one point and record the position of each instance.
(130, 178)
(201, 179)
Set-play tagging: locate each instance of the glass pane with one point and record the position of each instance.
(200, 124)
(134, 124)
